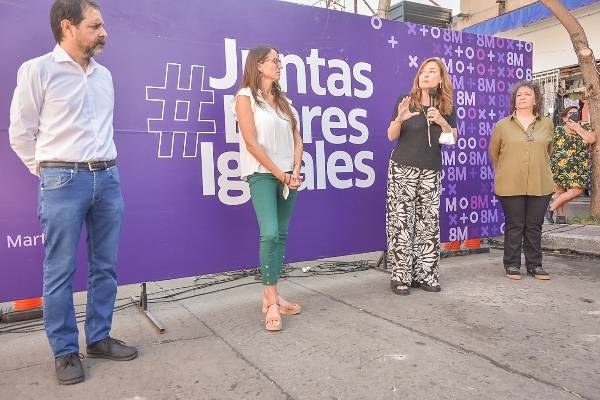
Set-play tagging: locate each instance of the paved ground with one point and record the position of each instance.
(579, 238)
(482, 337)
(561, 238)
(578, 206)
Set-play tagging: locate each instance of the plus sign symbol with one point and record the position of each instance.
(181, 99)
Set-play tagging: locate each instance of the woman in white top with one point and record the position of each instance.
(270, 157)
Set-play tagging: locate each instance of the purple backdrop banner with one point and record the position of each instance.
(175, 67)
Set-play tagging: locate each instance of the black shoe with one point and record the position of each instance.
(550, 215)
(430, 288)
(69, 369)
(513, 272)
(396, 289)
(112, 349)
(561, 219)
(538, 273)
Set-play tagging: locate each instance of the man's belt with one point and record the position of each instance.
(87, 166)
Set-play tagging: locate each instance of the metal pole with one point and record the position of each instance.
(142, 305)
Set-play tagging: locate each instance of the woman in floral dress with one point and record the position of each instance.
(569, 162)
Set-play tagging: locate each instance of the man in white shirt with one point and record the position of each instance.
(61, 127)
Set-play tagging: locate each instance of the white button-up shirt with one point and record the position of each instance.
(273, 133)
(59, 112)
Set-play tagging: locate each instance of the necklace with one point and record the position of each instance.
(428, 125)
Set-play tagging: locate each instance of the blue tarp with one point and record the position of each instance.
(521, 17)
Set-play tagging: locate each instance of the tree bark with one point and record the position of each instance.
(383, 9)
(591, 78)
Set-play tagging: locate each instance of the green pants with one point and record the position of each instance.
(273, 214)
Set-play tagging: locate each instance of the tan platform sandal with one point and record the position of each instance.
(273, 324)
(292, 309)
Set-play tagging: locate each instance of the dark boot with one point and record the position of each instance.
(538, 273)
(69, 369)
(112, 349)
(513, 271)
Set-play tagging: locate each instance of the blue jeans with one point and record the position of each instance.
(67, 199)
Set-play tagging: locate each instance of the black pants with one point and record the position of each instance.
(523, 216)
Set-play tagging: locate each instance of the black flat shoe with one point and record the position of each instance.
(560, 219)
(396, 288)
(430, 288)
(549, 215)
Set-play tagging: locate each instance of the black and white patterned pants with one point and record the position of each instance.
(413, 223)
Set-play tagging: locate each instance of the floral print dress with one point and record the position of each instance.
(570, 160)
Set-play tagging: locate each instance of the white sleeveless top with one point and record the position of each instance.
(273, 133)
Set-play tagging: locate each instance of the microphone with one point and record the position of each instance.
(432, 96)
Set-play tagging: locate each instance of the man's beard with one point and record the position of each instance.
(94, 49)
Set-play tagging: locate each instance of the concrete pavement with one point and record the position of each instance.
(579, 238)
(482, 337)
(565, 238)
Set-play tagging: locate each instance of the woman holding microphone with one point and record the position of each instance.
(421, 121)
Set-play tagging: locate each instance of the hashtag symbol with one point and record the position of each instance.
(181, 110)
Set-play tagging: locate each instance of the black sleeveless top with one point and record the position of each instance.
(413, 148)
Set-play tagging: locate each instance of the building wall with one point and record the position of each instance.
(552, 46)
(481, 10)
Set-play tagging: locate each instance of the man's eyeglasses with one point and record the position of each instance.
(275, 61)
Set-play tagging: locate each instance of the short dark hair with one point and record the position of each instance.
(71, 10)
(537, 108)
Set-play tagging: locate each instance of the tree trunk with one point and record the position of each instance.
(383, 9)
(591, 78)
